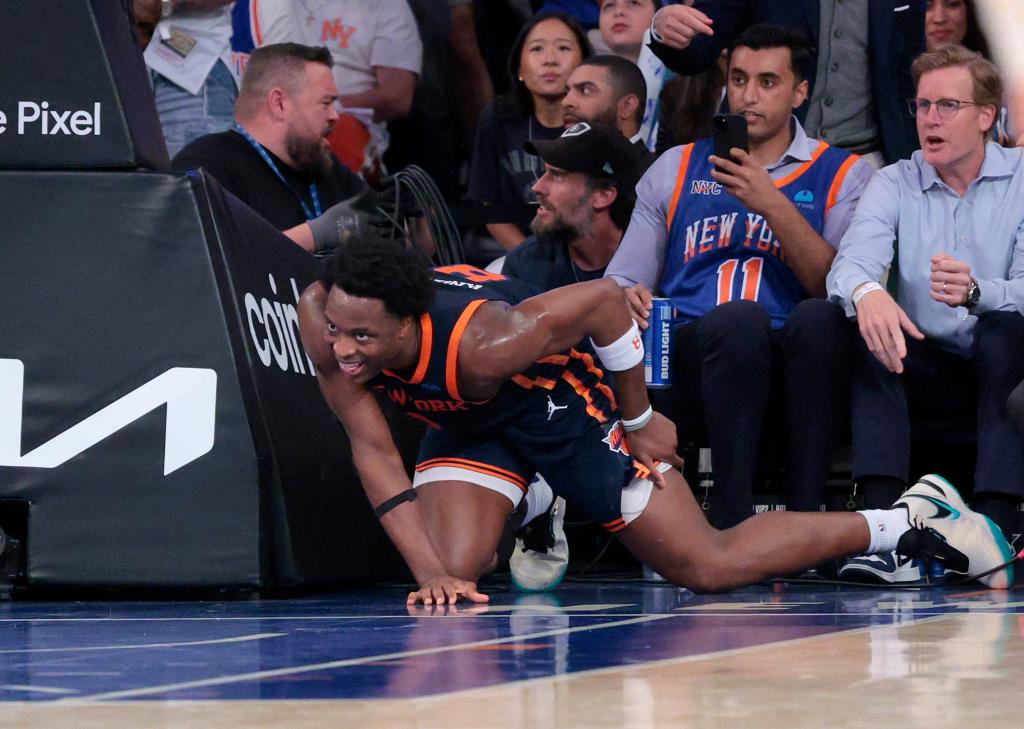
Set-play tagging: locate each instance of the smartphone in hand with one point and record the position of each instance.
(728, 131)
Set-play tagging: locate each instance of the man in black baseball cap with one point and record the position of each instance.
(594, 148)
(585, 198)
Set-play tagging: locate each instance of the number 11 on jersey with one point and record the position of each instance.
(750, 284)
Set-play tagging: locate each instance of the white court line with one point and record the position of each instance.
(257, 675)
(499, 613)
(36, 689)
(461, 609)
(553, 609)
(136, 646)
(748, 606)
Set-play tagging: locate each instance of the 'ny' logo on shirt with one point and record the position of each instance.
(335, 30)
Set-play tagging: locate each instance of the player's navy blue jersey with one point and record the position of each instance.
(549, 394)
(719, 251)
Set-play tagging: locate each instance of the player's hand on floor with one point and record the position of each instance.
(445, 589)
(656, 441)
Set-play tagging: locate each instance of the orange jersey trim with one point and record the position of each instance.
(641, 470)
(684, 164)
(584, 392)
(616, 525)
(555, 359)
(255, 9)
(593, 369)
(527, 384)
(476, 466)
(452, 358)
(822, 146)
(425, 419)
(837, 182)
(426, 342)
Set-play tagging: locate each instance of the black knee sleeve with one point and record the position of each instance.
(507, 541)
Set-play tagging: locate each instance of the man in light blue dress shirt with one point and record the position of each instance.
(955, 326)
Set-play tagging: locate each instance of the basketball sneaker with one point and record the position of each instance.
(884, 568)
(541, 556)
(947, 531)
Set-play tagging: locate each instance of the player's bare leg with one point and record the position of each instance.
(673, 537)
(465, 523)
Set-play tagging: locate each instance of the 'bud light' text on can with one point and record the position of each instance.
(658, 344)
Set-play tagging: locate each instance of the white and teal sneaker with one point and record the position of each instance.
(936, 509)
(541, 555)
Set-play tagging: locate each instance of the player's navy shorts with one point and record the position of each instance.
(586, 461)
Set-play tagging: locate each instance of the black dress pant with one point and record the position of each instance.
(1015, 407)
(734, 376)
(940, 386)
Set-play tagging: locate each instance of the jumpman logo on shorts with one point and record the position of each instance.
(552, 408)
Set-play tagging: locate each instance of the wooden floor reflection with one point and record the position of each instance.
(949, 670)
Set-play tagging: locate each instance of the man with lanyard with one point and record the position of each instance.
(742, 249)
(275, 158)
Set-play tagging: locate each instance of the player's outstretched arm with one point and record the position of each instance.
(501, 341)
(378, 462)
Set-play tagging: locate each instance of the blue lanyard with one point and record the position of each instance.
(310, 214)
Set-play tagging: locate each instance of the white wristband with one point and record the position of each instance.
(638, 422)
(864, 289)
(624, 353)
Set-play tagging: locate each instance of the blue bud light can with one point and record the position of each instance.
(658, 344)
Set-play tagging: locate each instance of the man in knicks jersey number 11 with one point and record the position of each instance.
(742, 250)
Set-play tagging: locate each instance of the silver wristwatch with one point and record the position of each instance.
(973, 295)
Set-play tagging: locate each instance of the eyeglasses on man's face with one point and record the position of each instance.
(947, 108)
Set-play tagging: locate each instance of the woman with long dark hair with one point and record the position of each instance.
(956, 22)
(502, 174)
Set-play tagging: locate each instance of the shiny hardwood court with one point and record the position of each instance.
(589, 655)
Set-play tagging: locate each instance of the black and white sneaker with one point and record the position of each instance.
(541, 556)
(886, 568)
